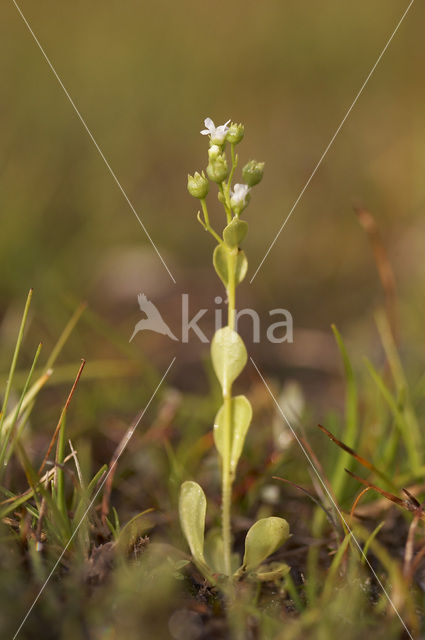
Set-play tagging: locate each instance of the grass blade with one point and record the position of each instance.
(9, 429)
(14, 360)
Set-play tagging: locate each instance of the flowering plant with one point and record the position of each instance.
(228, 353)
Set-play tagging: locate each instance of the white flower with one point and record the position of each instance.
(217, 134)
(239, 195)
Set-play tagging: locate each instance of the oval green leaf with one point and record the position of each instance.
(192, 510)
(241, 419)
(228, 355)
(220, 261)
(235, 232)
(263, 539)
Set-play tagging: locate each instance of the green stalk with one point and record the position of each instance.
(234, 165)
(9, 430)
(339, 477)
(59, 476)
(207, 224)
(409, 425)
(227, 398)
(63, 338)
(226, 201)
(15, 359)
(227, 484)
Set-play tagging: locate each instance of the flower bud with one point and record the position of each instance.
(217, 169)
(214, 151)
(198, 185)
(221, 197)
(240, 197)
(235, 133)
(253, 172)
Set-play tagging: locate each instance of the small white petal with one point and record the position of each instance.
(209, 123)
(239, 194)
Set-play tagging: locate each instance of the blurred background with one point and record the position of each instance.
(144, 76)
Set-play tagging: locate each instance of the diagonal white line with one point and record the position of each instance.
(322, 157)
(111, 468)
(83, 122)
(313, 466)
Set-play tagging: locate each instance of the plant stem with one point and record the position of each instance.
(207, 224)
(226, 201)
(227, 398)
(227, 488)
(234, 165)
